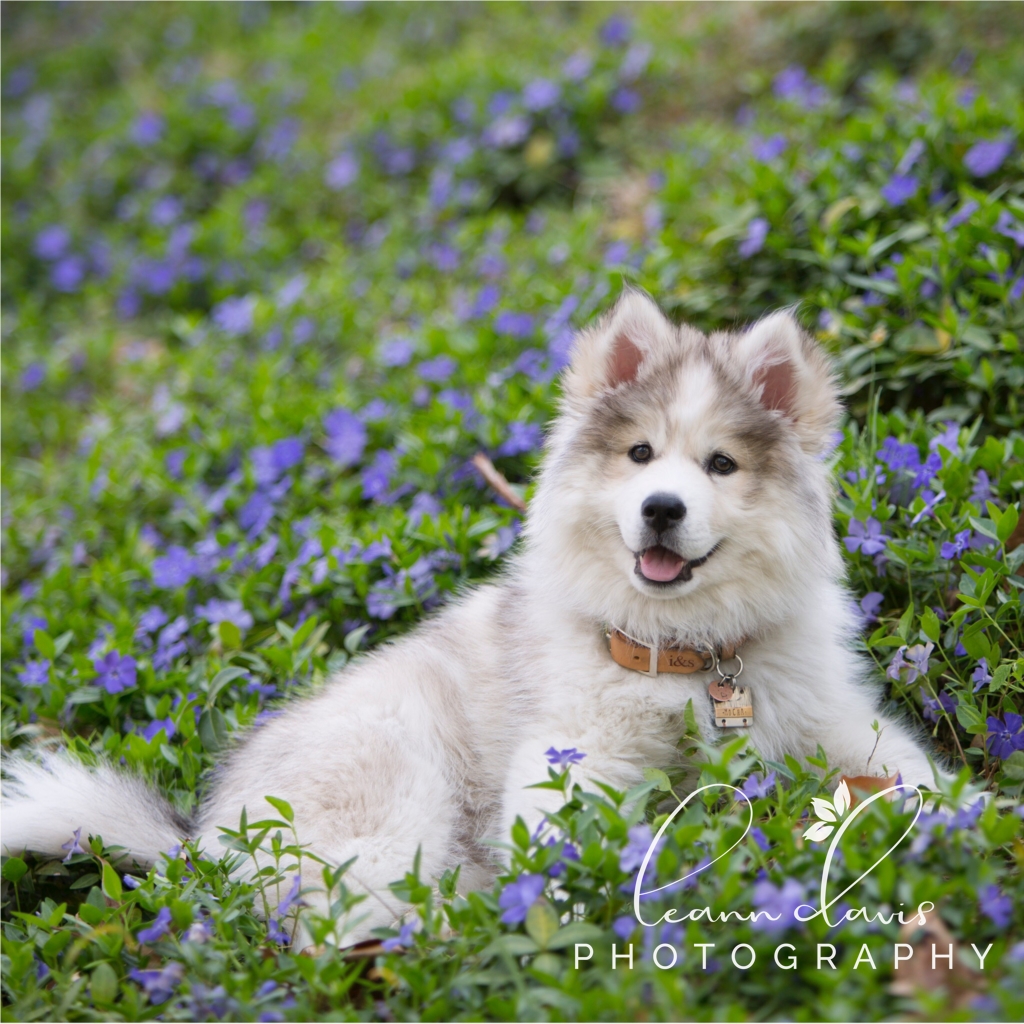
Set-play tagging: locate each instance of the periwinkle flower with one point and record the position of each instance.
(996, 906)
(517, 897)
(52, 242)
(753, 241)
(778, 902)
(346, 437)
(913, 659)
(755, 787)
(766, 150)
(396, 352)
(74, 845)
(235, 315)
(1006, 735)
(342, 171)
(173, 569)
(967, 209)
(403, 940)
(159, 985)
(564, 758)
(158, 928)
(216, 611)
(899, 189)
(866, 537)
(540, 94)
(522, 438)
(115, 672)
(986, 157)
(513, 325)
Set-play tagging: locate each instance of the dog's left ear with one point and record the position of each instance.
(790, 374)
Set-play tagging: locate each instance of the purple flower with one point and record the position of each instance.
(634, 64)
(540, 94)
(927, 470)
(967, 209)
(957, 546)
(755, 788)
(68, 273)
(913, 659)
(981, 675)
(766, 150)
(1009, 227)
(513, 325)
(935, 706)
(377, 476)
(115, 672)
(869, 606)
(633, 853)
(563, 758)
(985, 157)
(160, 926)
(753, 241)
(899, 456)
(507, 131)
(437, 370)
(522, 437)
(517, 897)
(1005, 736)
(159, 985)
(760, 838)
(148, 128)
(346, 437)
(52, 242)
(423, 504)
(35, 673)
(616, 31)
(402, 940)
(342, 171)
(165, 211)
(269, 463)
(625, 101)
(32, 376)
(866, 537)
(173, 569)
(899, 189)
(948, 439)
(624, 926)
(778, 902)
(215, 611)
(74, 845)
(616, 253)
(486, 299)
(158, 724)
(396, 352)
(235, 315)
(376, 549)
(578, 66)
(995, 906)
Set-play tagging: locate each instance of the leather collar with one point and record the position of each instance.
(630, 653)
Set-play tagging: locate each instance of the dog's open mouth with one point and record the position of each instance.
(662, 565)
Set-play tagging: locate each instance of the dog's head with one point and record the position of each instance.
(684, 479)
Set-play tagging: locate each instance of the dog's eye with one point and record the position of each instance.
(641, 452)
(721, 464)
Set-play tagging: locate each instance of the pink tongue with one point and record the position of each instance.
(660, 564)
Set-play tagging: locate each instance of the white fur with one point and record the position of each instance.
(430, 742)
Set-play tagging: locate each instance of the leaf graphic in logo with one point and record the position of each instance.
(823, 809)
(818, 831)
(842, 798)
(828, 811)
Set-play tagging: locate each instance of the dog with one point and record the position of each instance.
(679, 552)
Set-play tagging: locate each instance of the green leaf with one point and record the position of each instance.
(999, 678)
(44, 644)
(230, 635)
(355, 637)
(222, 679)
(14, 869)
(111, 883)
(514, 945)
(1013, 766)
(930, 625)
(103, 985)
(1007, 523)
(541, 922)
(906, 620)
(282, 807)
(213, 730)
(659, 778)
(521, 834)
(970, 718)
(578, 931)
(690, 719)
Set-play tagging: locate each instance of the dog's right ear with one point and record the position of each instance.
(613, 352)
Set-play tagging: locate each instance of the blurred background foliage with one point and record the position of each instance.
(274, 273)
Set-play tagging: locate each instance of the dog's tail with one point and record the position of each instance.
(45, 802)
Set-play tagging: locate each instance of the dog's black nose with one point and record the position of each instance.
(662, 511)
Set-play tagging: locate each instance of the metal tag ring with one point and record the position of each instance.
(729, 675)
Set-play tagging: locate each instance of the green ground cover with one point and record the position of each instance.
(273, 274)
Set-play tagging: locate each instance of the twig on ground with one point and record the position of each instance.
(497, 480)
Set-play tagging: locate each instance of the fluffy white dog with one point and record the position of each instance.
(684, 508)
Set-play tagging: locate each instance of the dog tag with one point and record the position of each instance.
(735, 713)
(722, 689)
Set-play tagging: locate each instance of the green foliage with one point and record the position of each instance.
(223, 224)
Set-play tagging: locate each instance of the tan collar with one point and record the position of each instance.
(630, 653)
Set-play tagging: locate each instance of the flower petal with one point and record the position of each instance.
(823, 809)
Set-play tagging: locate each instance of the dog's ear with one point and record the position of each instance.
(614, 351)
(789, 373)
